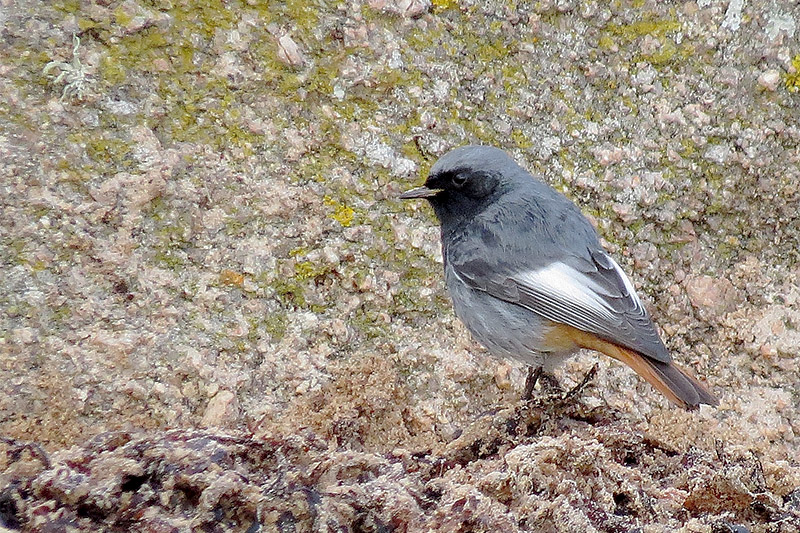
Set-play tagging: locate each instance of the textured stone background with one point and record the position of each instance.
(198, 230)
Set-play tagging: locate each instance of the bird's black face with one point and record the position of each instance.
(463, 183)
(457, 194)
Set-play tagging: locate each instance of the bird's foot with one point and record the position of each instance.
(552, 388)
(549, 384)
(578, 389)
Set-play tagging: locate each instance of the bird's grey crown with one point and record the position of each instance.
(475, 158)
(485, 162)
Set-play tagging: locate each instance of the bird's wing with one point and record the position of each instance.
(588, 291)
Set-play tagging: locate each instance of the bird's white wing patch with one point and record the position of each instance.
(568, 288)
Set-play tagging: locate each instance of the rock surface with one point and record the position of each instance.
(200, 230)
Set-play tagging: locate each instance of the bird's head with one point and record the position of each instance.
(463, 182)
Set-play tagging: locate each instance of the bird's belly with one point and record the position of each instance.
(507, 329)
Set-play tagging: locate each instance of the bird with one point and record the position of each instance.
(528, 276)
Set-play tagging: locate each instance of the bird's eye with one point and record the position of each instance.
(458, 180)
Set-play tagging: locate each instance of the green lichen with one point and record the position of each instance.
(665, 53)
(107, 151)
(421, 40)
(688, 50)
(520, 139)
(689, 148)
(289, 293)
(306, 270)
(792, 79)
(122, 17)
(139, 50)
(605, 42)
(304, 13)
(61, 313)
(68, 6)
(170, 232)
(299, 251)
(275, 324)
(169, 259)
(111, 71)
(646, 26)
(205, 16)
(443, 5)
(513, 77)
(341, 213)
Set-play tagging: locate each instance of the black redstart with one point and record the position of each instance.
(529, 278)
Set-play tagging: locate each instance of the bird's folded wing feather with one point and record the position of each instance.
(588, 291)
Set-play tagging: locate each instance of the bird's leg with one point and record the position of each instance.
(530, 382)
(577, 389)
(548, 383)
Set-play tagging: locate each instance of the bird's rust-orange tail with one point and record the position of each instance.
(672, 381)
(681, 388)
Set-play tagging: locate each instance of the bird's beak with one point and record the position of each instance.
(419, 192)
